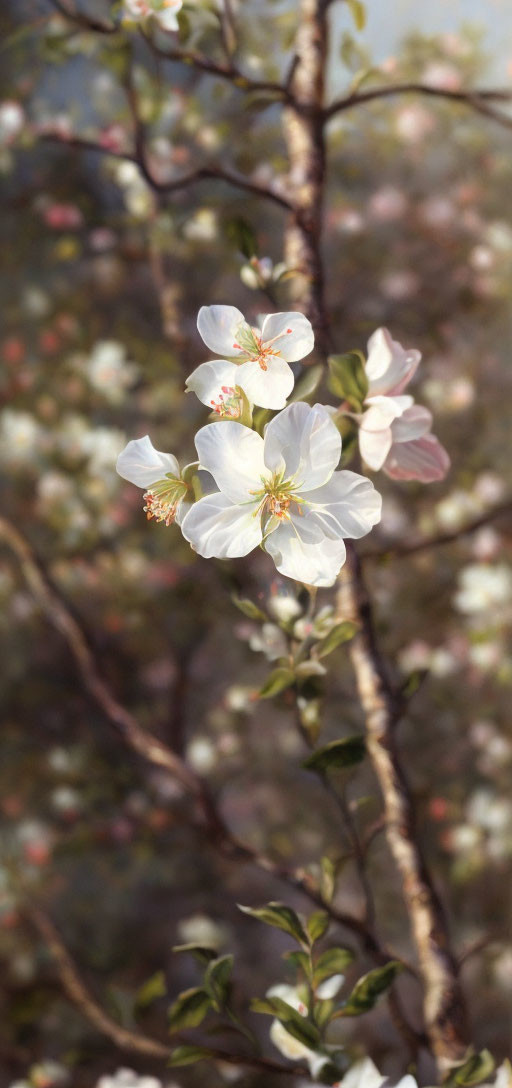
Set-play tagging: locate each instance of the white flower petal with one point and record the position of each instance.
(389, 366)
(414, 423)
(295, 332)
(168, 19)
(347, 506)
(330, 987)
(217, 325)
(142, 465)
(374, 446)
(314, 564)
(363, 1074)
(206, 381)
(214, 526)
(424, 459)
(233, 455)
(268, 388)
(287, 1044)
(305, 442)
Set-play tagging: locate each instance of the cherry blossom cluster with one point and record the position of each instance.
(282, 489)
(163, 12)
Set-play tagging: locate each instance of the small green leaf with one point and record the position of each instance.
(307, 384)
(201, 954)
(281, 917)
(187, 1055)
(368, 989)
(342, 632)
(300, 960)
(475, 1069)
(217, 980)
(327, 878)
(154, 988)
(242, 235)
(358, 12)
(322, 1013)
(248, 608)
(278, 680)
(189, 1009)
(317, 924)
(339, 753)
(299, 1026)
(347, 378)
(333, 962)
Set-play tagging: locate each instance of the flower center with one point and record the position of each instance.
(250, 342)
(163, 499)
(275, 499)
(229, 404)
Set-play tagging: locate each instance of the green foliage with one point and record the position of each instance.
(474, 1070)
(189, 1009)
(297, 1025)
(201, 954)
(358, 12)
(338, 754)
(281, 917)
(188, 1055)
(279, 680)
(154, 988)
(342, 632)
(369, 988)
(248, 608)
(308, 383)
(242, 235)
(347, 378)
(217, 981)
(317, 925)
(332, 962)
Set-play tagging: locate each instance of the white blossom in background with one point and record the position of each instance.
(255, 360)
(259, 272)
(12, 119)
(202, 930)
(281, 492)
(394, 432)
(483, 588)
(126, 1078)
(20, 437)
(287, 1044)
(159, 474)
(163, 12)
(109, 371)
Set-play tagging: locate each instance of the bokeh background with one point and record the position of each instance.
(100, 287)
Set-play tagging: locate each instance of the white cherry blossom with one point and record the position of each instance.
(287, 1044)
(164, 12)
(261, 356)
(281, 491)
(394, 432)
(159, 474)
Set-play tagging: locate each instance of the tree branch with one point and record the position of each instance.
(88, 22)
(132, 1041)
(478, 99)
(229, 71)
(398, 551)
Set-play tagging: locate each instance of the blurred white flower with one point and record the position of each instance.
(413, 123)
(202, 226)
(483, 588)
(12, 119)
(202, 754)
(126, 1078)
(109, 371)
(388, 204)
(164, 12)
(20, 437)
(201, 930)
(443, 76)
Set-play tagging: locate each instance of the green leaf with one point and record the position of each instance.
(475, 1069)
(358, 12)
(333, 962)
(217, 980)
(248, 608)
(307, 384)
(347, 378)
(281, 917)
(342, 632)
(201, 954)
(368, 989)
(299, 960)
(187, 1055)
(260, 418)
(339, 753)
(317, 924)
(242, 235)
(154, 988)
(189, 1009)
(299, 1026)
(327, 878)
(278, 680)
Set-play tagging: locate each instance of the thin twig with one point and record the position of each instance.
(88, 22)
(477, 99)
(397, 551)
(132, 1041)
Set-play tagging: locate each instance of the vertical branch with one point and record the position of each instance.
(304, 134)
(303, 126)
(443, 1001)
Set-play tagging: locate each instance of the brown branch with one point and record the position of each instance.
(443, 1001)
(398, 551)
(156, 753)
(217, 173)
(478, 99)
(131, 1041)
(229, 71)
(88, 22)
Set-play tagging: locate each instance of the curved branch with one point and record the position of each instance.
(88, 22)
(230, 72)
(217, 173)
(398, 551)
(478, 100)
(132, 1041)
